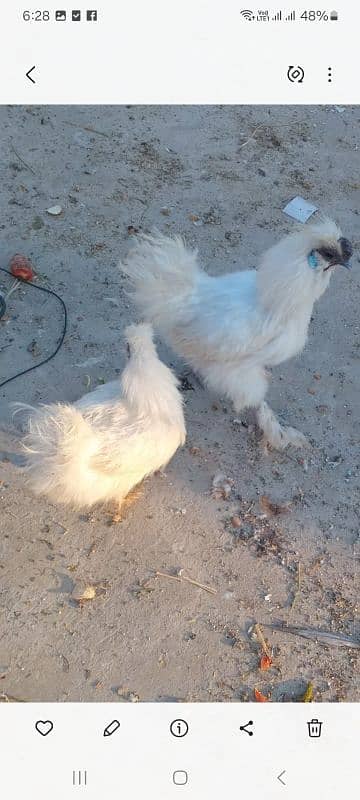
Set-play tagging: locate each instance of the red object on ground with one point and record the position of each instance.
(20, 267)
(260, 697)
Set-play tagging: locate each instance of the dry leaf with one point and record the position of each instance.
(259, 697)
(272, 509)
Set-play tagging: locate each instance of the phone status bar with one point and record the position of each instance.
(61, 15)
(312, 15)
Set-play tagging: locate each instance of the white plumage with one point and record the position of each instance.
(231, 327)
(105, 444)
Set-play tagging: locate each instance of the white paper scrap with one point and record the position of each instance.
(300, 209)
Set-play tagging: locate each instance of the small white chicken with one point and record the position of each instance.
(231, 327)
(103, 446)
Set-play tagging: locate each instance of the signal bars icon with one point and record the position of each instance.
(278, 16)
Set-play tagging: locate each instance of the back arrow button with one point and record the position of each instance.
(279, 777)
(28, 75)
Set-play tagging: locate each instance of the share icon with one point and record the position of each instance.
(245, 728)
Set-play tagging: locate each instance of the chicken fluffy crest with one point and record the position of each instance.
(105, 444)
(229, 328)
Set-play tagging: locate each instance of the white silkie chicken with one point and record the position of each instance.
(231, 327)
(102, 447)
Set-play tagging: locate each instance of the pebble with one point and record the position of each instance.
(54, 211)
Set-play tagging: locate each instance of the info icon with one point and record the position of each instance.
(92, 16)
(179, 728)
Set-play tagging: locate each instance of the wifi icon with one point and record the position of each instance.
(247, 15)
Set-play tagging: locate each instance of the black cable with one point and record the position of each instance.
(63, 333)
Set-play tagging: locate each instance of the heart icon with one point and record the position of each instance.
(44, 726)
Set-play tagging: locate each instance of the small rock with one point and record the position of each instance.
(236, 522)
(54, 211)
(82, 592)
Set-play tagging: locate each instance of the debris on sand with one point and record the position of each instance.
(184, 579)
(260, 697)
(83, 592)
(132, 231)
(308, 695)
(221, 486)
(300, 209)
(265, 658)
(9, 698)
(265, 662)
(321, 637)
(260, 531)
(271, 509)
(127, 696)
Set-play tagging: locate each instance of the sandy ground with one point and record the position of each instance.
(197, 172)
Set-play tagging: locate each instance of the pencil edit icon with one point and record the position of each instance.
(112, 727)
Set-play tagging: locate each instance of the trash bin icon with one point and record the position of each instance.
(314, 727)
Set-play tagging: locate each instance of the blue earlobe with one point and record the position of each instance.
(312, 260)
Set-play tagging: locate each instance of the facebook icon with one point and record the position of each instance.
(91, 16)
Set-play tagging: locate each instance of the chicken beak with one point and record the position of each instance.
(346, 264)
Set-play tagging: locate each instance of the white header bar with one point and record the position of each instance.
(196, 51)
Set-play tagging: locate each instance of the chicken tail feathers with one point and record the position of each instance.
(163, 273)
(57, 442)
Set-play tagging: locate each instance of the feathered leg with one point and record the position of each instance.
(246, 385)
(124, 503)
(274, 434)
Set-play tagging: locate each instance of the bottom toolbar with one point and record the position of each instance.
(164, 750)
